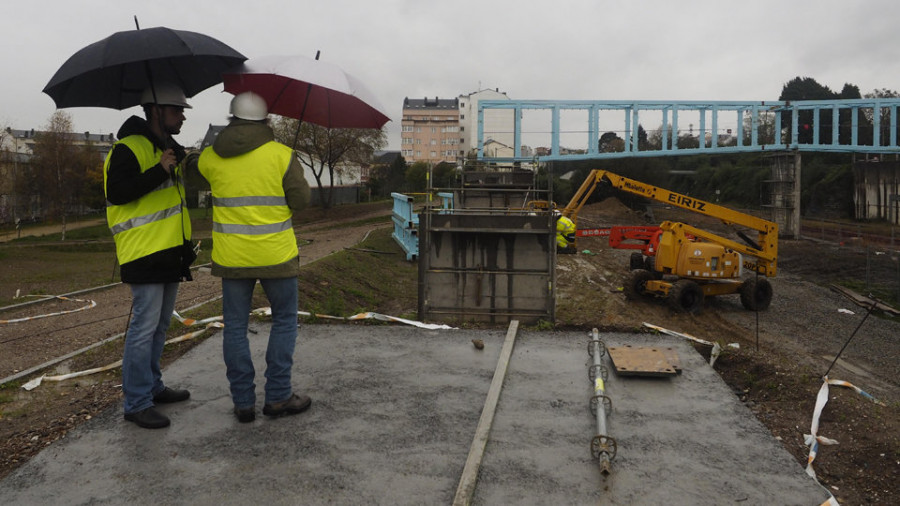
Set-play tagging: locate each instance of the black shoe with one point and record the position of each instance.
(245, 415)
(295, 404)
(149, 418)
(170, 395)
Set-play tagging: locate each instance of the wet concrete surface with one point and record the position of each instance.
(394, 413)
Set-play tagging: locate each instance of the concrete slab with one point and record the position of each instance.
(394, 412)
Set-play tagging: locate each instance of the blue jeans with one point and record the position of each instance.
(151, 313)
(236, 298)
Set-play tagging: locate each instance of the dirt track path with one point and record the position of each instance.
(37, 341)
(39, 230)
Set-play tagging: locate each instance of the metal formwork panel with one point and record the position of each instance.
(486, 267)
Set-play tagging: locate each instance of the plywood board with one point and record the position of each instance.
(643, 361)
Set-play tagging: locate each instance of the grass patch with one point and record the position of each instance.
(353, 281)
(350, 224)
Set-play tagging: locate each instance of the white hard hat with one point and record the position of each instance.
(165, 94)
(249, 105)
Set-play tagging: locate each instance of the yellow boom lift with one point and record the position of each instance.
(691, 263)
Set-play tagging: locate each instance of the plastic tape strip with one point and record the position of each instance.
(813, 440)
(36, 382)
(190, 322)
(717, 348)
(267, 311)
(90, 305)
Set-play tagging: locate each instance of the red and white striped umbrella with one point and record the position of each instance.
(309, 90)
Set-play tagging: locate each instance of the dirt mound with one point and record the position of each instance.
(610, 211)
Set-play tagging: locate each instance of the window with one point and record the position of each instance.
(433, 142)
(434, 154)
(434, 130)
(462, 116)
(462, 105)
(407, 128)
(462, 129)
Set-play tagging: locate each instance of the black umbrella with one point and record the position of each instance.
(113, 72)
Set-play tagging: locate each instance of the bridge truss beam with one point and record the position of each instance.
(751, 127)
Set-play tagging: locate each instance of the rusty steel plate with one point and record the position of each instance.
(644, 361)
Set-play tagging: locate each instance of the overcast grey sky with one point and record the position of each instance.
(533, 49)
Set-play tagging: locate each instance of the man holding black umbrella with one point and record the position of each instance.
(152, 230)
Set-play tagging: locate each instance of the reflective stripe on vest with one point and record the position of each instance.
(158, 220)
(252, 224)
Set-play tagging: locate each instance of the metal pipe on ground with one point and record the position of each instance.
(603, 447)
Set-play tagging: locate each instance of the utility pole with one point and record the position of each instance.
(15, 189)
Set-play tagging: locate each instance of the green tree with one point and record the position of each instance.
(806, 88)
(609, 142)
(387, 178)
(443, 175)
(417, 177)
(328, 149)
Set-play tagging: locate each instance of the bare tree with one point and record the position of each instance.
(7, 172)
(62, 173)
(326, 149)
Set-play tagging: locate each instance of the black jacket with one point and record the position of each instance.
(125, 183)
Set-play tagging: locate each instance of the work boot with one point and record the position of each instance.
(293, 405)
(245, 415)
(148, 418)
(170, 395)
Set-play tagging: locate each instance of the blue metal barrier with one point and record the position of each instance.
(406, 221)
(406, 225)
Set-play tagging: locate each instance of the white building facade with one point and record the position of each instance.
(498, 123)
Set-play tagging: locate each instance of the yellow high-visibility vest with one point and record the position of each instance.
(252, 224)
(565, 232)
(158, 220)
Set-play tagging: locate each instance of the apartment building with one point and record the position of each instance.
(498, 123)
(430, 130)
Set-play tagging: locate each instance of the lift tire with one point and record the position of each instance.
(686, 296)
(636, 261)
(650, 265)
(756, 294)
(636, 284)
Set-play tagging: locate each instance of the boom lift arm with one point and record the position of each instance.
(764, 248)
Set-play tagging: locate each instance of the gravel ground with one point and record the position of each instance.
(798, 338)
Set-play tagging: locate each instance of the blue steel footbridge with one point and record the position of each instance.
(548, 130)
